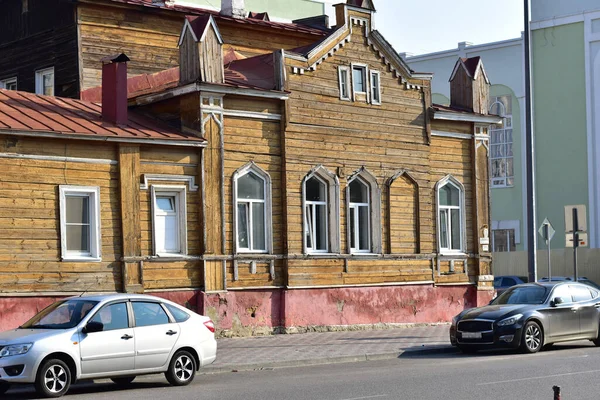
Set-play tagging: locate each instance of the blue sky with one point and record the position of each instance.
(426, 26)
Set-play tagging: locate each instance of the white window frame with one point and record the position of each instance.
(93, 193)
(356, 207)
(180, 195)
(333, 209)
(374, 224)
(450, 180)
(344, 71)
(39, 80)
(8, 81)
(375, 95)
(309, 223)
(262, 174)
(501, 182)
(365, 70)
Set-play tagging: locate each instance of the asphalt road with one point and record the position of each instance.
(495, 375)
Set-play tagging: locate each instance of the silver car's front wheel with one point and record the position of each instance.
(182, 369)
(532, 337)
(53, 378)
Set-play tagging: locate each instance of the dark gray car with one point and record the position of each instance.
(529, 316)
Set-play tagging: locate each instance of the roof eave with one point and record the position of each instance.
(71, 136)
(466, 117)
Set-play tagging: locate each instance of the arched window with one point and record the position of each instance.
(320, 210)
(363, 198)
(501, 140)
(252, 209)
(450, 219)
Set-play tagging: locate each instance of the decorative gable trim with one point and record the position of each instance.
(461, 63)
(188, 26)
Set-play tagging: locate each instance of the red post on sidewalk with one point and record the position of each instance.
(556, 392)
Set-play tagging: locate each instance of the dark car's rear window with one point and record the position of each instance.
(523, 295)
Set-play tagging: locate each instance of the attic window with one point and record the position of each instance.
(344, 82)
(359, 79)
(375, 87)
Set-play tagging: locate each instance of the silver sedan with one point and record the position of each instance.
(114, 336)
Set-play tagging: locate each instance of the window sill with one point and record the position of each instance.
(369, 254)
(453, 254)
(81, 259)
(251, 252)
(170, 255)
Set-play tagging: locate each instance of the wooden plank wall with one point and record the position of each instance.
(255, 140)
(29, 217)
(461, 90)
(189, 68)
(211, 58)
(345, 136)
(159, 274)
(150, 39)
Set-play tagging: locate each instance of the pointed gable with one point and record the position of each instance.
(200, 50)
(472, 66)
(366, 4)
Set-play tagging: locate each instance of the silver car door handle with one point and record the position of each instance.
(126, 337)
(597, 305)
(574, 309)
(170, 333)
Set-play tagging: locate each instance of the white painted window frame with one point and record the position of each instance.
(492, 128)
(8, 81)
(39, 80)
(180, 194)
(264, 175)
(375, 96)
(356, 207)
(345, 71)
(365, 70)
(450, 180)
(93, 193)
(374, 225)
(309, 223)
(333, 209)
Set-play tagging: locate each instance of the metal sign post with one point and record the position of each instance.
(575, 223)
(547, 232)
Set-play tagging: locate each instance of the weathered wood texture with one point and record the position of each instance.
(201, 60)
(30, 252)
(469, 93)
(189, 59)
(43, 36)
(129, 178)
(385, 139)
(150, 39)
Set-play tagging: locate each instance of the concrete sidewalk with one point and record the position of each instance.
(243, 354)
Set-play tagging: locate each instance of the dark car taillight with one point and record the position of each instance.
(210, 325)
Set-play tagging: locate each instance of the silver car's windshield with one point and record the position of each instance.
(522, 295)
(63, 314)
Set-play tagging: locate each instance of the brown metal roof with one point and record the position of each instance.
(28, 113)
(471, 64)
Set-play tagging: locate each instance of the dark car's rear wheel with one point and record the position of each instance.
(533, 339)
(53, 378)
(123, 381)
(182, 369)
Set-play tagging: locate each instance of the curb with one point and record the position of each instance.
(441, 349)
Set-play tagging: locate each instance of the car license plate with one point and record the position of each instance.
(471, 335)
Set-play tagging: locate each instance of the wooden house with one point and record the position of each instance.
(55, 47)
(331, 192)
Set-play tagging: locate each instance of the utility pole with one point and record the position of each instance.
(530, 156)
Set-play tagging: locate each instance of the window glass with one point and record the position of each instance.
(358, 75)
(315, 190)
(321, 227)
(112, 316)
(449, 195)
(77, 223)
(522, 295)
(242, 225)
(147, 313)
(251, 186)
(177, 313)
(580, 293)
(444, 229)
(352, 228)
(501, 140)
(359, 193)
(564, 293)
(455, 224)
(165, 203)
(363, 223)
(258, 226)
(509, 282)
(504, 240)
(63, 314)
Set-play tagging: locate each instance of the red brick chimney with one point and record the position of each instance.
(114, 89)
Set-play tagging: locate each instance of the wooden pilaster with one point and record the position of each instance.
(129, 179)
